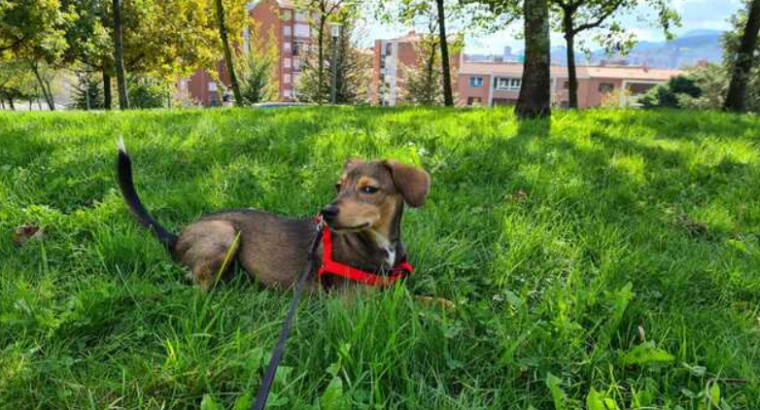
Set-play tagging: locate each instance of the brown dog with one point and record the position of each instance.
(365, 220)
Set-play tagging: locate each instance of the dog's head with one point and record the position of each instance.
(371, 195)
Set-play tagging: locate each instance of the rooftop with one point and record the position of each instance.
(584, 72)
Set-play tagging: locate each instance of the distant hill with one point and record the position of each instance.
(685, 50)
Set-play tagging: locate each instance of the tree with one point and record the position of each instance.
(258, 70)
(352, 69)
(16, 82)
(448, 95)
(161, 38)
(90, 41)
(118, 56)
(744, 60)
(535, 94)
(321, 13)
(467, 13)
(577, 16)
(88, 93)
(424, 81)
(33, 31)
(229, 64)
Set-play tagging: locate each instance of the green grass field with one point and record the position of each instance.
(610, 260)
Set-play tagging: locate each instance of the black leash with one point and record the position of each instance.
(279, 349)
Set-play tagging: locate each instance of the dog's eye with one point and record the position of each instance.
(369, 189)
(337, 187)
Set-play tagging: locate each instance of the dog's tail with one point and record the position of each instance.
(124, 176)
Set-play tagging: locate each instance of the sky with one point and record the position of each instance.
(695, 14)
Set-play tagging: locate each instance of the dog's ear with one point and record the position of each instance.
(350, 163)
(412, 182)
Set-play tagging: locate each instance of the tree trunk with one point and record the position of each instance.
(736, 100)
(321, 58)
(106, 91)
(448, 95)
(431, 86)
(121, 79)
(10, 102)
(220, 19)
(334, 67)
(572, 72)
(535, 93)
(46, 92)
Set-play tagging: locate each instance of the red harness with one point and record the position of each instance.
(330, 267)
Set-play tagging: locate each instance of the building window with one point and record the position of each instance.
(286, 15)
(296, 64)
(287, 93)
(286, 62)
(606, 87)
(566, 85)
(287, 31)
(301, 16)
(474, 101)
(476, 81)
(301, 30)
(299, 48)
(508, 84)
(212, 86)
(286, 78)
(388, 49)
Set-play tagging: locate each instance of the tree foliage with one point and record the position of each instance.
(257, 69)
(672, 94)
(315, 82)
(573, 17)
(88, 93)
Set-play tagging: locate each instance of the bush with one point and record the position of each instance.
(672, 93)
(145, 92)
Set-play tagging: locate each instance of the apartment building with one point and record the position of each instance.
(390, 59)
(292, 33)
(492, 84)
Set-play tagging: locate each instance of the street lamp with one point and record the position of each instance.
(334, 64)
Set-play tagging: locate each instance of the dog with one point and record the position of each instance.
(364, 221)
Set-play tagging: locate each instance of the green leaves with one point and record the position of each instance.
(559, 397)
(645, 354)
(598, 401)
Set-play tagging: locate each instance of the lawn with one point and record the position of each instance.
(609, 258)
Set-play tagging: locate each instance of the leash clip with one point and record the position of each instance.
(319, 220)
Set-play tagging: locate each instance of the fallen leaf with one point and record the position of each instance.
(27, 232)
(694, 228)
(518, 196)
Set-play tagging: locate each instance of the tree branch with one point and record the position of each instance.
(598, 22)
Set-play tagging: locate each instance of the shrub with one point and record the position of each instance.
(145, 92)
(671, 93)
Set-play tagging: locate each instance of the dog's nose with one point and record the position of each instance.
(330, 211)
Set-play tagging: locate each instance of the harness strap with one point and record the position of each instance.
(331, 267)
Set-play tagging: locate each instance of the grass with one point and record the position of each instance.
(609, 258)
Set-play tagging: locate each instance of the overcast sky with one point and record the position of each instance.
(695, 14)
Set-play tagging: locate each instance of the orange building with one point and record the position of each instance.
(391, 57)
(492, 84)
(293, 36)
